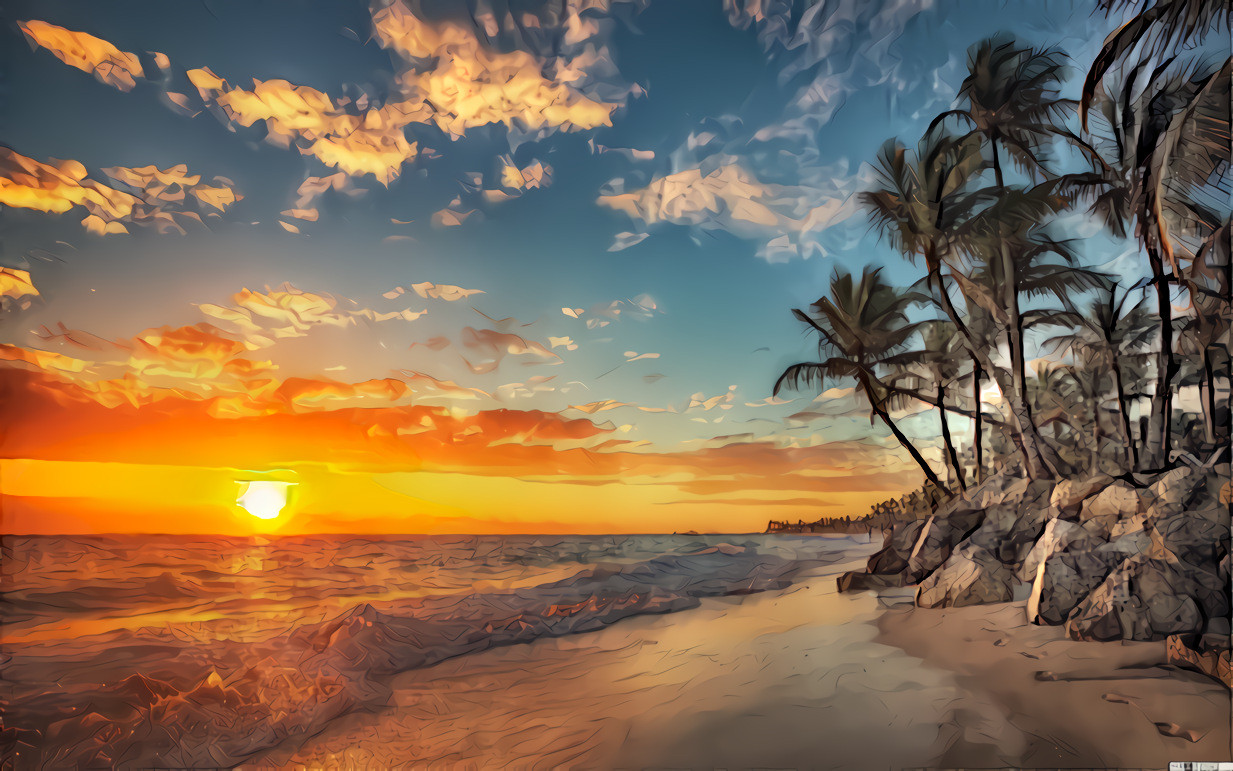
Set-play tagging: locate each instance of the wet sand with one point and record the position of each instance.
(800, 678)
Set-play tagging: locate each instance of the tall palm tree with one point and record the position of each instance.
(1010, 103)
(934, 368)
(923, 206)
(860, 325)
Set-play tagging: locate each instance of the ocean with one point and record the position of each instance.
(203, 651)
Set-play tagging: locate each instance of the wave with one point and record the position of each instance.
(178, 700)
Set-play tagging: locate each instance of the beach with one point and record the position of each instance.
(684, 652)
(803, 677)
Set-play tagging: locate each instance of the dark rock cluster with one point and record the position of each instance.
(1144, 557)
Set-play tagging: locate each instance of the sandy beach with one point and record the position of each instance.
(803, 677)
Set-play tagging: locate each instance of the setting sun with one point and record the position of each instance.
(264, 500)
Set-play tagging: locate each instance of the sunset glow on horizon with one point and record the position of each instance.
(462, 274)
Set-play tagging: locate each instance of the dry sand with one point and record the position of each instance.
(801, 678)
(1063, 704)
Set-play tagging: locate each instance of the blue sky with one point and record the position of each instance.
(712, 103)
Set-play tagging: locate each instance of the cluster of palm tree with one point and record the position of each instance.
(1086, 367)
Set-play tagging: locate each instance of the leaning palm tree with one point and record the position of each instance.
(1167, 138)
(924, 207)
(860, 325)
(1160, 28)
(1010, 103)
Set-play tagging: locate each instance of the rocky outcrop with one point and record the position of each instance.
(938, 538)
(1209, 655)
(1102, 512)
(1141, 557)
(1068, 495)
(972, 575)
(1149, 598)
(893, 558)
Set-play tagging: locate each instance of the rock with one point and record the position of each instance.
(1149, 598)
(855, 581)
(1189, 537)
(997, 490)
(997, 524)
(893, 557)
(1069, 494)
(1032, 513)
(1135, 523)
(971, 576)
(1213, 662)
(938, 539)
(1063, 581)
(1101, 512)
(1058, 535)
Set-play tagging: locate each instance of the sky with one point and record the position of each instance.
(491, 266)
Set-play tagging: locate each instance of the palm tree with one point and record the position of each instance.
(860, 325)
(924, 208)
(935, 368)
(1010, 103)
(1168, 142)
(1109, 336)
(1160, 28)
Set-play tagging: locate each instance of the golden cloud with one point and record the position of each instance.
(427, 290)
(469, 86)
(87, 53)
(158, 199)
(16, 284)
(285, 312)
(371, 142)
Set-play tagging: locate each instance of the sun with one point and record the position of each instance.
(264, 500)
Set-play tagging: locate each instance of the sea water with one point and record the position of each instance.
(200, 651)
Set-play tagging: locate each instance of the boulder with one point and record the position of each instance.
(1212, 661)
(856, 581)
(1033, 516)
(893, 557)
(1100, 513)
(997, 490)
(1135, 523)
(970, 576)
(938, 539)
(1149, 598)
(1069, 494)
(1188, 536)
(1058, 535)
(1173, 491)
(1063, 581)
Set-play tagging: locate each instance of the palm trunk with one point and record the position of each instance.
(1166, 364)
(1124, 415)
(975, 348)
(903, 440)
(1207, 397)
(950, 446)
(977, 434)
(1041, 453)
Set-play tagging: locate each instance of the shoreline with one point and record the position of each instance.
(777, 677)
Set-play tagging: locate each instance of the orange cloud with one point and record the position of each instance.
(16, 285)
(85, 52)
(372, 142)
(158, 199)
